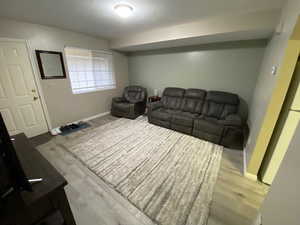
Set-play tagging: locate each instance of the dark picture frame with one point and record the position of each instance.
(55, 68)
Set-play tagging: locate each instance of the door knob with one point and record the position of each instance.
(35, 98)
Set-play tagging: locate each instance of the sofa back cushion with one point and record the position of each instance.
(220, 104)
(193, 101)
(172, 98)
(134, 94)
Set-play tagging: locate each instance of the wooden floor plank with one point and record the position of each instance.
(236, 199)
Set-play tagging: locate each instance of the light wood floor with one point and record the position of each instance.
(236, 199)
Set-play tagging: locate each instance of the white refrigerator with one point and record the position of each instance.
(284, 130)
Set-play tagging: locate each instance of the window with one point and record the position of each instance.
(90, 70)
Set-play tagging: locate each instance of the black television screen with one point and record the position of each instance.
(11, 171)
(5, 180)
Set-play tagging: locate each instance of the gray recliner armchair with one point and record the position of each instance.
(132, 104)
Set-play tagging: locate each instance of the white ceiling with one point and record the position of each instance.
(97, 18)
(202, 40)
(246, 26)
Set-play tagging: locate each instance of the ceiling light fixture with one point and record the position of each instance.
(123, 10)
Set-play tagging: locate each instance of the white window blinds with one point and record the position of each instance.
(90, 70)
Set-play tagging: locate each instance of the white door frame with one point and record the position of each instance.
(35, 78)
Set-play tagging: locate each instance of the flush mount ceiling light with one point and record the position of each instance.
(123, 10)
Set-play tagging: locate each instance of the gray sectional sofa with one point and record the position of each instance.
(209, 115)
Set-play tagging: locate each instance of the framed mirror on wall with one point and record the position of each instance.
(51, 64)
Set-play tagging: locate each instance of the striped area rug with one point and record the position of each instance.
(168, 175)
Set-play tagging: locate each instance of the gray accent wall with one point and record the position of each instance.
(232, 67)
(62, 105)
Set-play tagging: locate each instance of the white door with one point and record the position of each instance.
(281, 147)
(295, 86)
(20, 104)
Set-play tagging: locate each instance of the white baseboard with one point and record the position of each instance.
(92, 117)
(244, 160)
(258, 220)
(246, 174)
(250, 176)
(54, 130)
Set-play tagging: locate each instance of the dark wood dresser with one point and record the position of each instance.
(48, 203)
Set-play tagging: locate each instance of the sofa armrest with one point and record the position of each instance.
(154, 105)
(136, 101)
(119, 99)
(232, 120)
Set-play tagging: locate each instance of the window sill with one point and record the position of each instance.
(91, 91)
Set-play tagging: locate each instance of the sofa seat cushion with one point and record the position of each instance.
(216, 139)
(208, 130)
(163, 114)
(231, 120)
(159, 122)
(184, 118)
(182, 129)
(208, 126)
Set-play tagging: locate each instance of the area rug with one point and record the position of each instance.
(167, 175)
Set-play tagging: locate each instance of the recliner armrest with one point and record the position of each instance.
(138, 101)
(232, 120)
(154, 105)
(119, 99)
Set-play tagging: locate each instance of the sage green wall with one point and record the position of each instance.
(232, 67)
